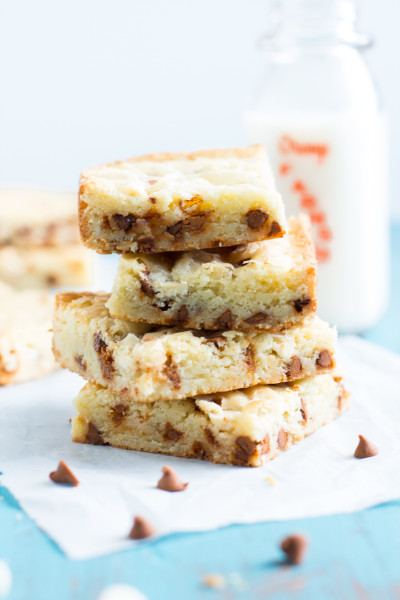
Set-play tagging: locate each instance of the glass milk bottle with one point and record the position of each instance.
(318, 115)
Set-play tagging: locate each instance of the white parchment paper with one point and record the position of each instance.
(318, 476)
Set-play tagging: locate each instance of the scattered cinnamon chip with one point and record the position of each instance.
(63, 474)
(271, 480)
(365, 448)
(170, 481)
(141, 529)
(214, 580)
(294, 547)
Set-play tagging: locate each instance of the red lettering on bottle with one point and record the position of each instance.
(284, 144)
(307, 201)
(288, 145)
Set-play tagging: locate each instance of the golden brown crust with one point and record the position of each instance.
(63, 298)
(83, 228)
(246, 152)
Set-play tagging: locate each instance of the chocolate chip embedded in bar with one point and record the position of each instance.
(324, 359)
(105, 356)
(148, 364)
(124, 223)
(294, 367)
(266, 286)
(168, 202)
(93, 436)
(256, 218)
(244, 427)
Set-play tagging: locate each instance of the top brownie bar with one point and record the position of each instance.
(168, 202)
(37, 218)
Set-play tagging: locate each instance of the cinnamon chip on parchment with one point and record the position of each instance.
(141, 529)
(63, 474)
(170, 481)
(365, 448)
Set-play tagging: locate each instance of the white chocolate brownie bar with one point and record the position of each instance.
(41, 266)
(25, 335)
(38, 218)
(165, 202)
(245, 427)
(150, 364)
(268, 285)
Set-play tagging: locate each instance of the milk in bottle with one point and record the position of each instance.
(318, 115)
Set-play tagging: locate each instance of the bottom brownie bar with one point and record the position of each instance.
(246, 427)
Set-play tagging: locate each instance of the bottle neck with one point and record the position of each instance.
(315, 23)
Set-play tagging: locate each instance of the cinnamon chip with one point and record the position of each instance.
(224, 321)
(141, 529)
(365, 448)
(256, 218)
(294, 367)
(271, 480)
(63, 474)
(324, 359)
(275, 228)
(215, 580)
(94, 437)
(170, 481)
(124, 222)
(294, 547)
(256, 319)
(300, 303)
(282, 439)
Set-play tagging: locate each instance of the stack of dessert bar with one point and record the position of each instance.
(208, 345)
(39, 240)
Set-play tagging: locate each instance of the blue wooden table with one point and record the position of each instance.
(351, 557)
